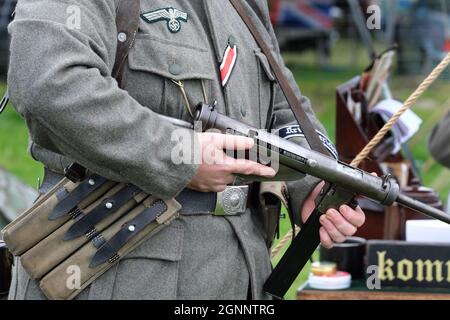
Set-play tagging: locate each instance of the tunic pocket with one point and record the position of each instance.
(154, 62)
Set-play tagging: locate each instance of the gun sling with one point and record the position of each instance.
(308, 239)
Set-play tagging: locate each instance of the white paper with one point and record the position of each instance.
(427, 231)
(407, 126)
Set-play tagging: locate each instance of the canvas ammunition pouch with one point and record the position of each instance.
(89, 225)
(86, 223)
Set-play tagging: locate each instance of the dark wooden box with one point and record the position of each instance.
(415, 265)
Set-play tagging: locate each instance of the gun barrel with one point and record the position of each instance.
(423, 208)
(381, 189)
(301, 159)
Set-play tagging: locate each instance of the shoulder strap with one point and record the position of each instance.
(299, 112)
(127, 21)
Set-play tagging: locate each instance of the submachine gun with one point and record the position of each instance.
(344, 184)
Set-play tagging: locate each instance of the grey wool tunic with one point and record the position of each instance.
(60, 82)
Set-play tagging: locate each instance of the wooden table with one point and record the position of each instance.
(359, 292)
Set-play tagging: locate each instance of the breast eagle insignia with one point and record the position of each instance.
(171, 15)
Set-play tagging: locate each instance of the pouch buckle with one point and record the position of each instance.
(75, 172)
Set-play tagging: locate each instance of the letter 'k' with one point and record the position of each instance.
(385, 267)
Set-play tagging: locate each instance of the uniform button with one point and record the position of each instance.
(122, 37)
(231, 41)
(175, 69)
(243, 111)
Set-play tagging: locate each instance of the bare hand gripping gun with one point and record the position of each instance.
(344, 183)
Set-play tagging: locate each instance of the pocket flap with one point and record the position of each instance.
(170, 60)
(165, 245)
(265, 64)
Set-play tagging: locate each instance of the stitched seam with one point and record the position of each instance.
(16, 283)
(260, 89)
(175, 44)
(26, 288)
(113, 286)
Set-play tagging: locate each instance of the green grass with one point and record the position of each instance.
(316, 83)
(13, 147)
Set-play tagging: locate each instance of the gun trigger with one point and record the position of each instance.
(353, 204)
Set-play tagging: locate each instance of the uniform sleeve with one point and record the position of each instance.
(283, 116)
(60, 82)
(440, 141)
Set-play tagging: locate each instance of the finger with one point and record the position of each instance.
(355, 217)
(309, 204)
(334, 233)
(325, 239)
(341, 224)
(232, 142)
(227, 179)
(318, 188)
(218, 188)
(222, 177)
(212, 154)
(247, 167)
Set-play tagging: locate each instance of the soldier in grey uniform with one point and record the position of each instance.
(60, 82)
(440, 141)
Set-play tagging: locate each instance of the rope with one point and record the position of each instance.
(380, 135)
(408, 104)
(288, 237)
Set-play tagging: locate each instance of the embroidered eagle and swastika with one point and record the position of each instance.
(171, 15)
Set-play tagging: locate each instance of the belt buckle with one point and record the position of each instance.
(232, 201)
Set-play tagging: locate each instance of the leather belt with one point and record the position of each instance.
(231, 202)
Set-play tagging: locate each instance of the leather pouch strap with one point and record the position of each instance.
(72, 199)
(106, 208)
(129, 230)
(127, 21)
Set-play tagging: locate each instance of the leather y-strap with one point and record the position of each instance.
(127, 21)
(296, 105)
